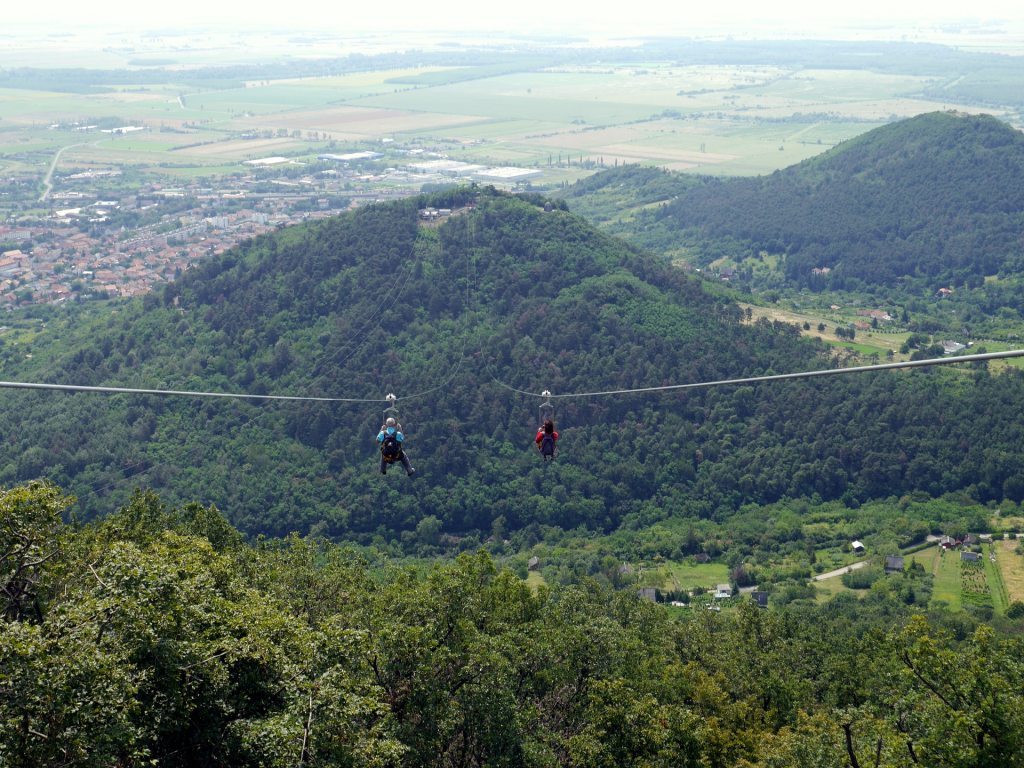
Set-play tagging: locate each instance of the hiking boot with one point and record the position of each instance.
(411, 472)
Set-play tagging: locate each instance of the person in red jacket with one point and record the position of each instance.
(547, 440)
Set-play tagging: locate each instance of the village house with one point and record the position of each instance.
(893, 564)
(875, 314)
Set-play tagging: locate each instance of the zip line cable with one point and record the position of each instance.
(779, 376)
(244, 396)
(182, 393)
(396, 291)
(601, 393)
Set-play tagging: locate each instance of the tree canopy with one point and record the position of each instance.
(502, 293)
(157, 637)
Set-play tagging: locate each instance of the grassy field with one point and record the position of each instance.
(945, 567)
(1011, 567)
(865, 342)
(829, 588)
(687, 575)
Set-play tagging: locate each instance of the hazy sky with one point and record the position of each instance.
(566, 16)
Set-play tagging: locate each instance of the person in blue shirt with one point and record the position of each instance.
(391, 441)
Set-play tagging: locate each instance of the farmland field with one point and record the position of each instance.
(867, 342)
(975, 587)
(945, 567)
(1011, 566)
(566, 121)
(994, 576)
(687, 575)
(366, 122)
(958, 583)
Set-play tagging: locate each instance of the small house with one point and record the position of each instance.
(893, 564)
(723, 591)
(760, 599)
(970, 557)
(533, 563)
(857, 547)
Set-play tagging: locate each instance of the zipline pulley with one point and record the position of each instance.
(547, 410)
(391, 411)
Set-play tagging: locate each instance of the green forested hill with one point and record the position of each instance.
(938, 199)
(156, 637)
(505, 293)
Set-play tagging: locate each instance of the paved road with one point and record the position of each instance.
(840, 571)
(53, 165)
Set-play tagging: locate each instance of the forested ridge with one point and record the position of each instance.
(937, 199)
(156, 636)
(505, 292)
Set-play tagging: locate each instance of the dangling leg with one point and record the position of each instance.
(408, 465)
(383, 465)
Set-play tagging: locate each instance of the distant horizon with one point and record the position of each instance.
(573, 18)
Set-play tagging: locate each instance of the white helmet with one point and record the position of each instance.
(390, 422)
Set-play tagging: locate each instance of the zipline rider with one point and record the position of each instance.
(390, 440)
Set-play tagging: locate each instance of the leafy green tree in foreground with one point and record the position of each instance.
(159, 637)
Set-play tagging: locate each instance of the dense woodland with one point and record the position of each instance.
(503, 294)
(923, 203)
(157, 637)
